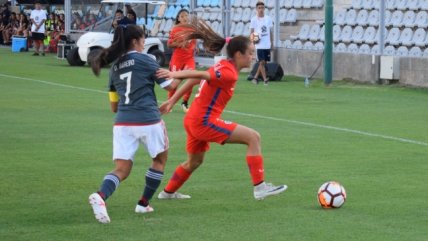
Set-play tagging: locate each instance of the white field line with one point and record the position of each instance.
(363, 133)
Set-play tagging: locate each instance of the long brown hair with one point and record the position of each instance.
(122, 43)
(212, 42)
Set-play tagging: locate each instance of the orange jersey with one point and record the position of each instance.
(181, 54)
(214, 94)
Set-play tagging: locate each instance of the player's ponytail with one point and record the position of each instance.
(122, 43)
(212, 42)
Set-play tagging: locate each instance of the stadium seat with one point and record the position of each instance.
(423, 4)
(272, 14)
(298, 3)
(397, 18)
(409, 19)
(406, 37)
(401, 4)
(245, 32)
(247, 4)
(322, 33)
(388, 18)
(373, 18)
(169, 13)
(215, 3)
(318, 4)
(319, 46)
(314, 33)
(288, 4)
(206, 3)
(425, 53)
(270, 3)
(307, 3)
(353, 48)
(297, 45)
(336, 33)
(362, 18)
(168, 25)
(236, 14)
(232, 28)
(282, 15)
(357, 4)
(421, 19)
(303, 33)
(346, 34)
(413, 4)
(364, 49)
(357, 34)
(393, 36)
(237, 3)
(340, 47)
(213, 16)
(340, 17)
(390, 5)
(402, 51)
(351, 17)
(239, 29)
(415, 52)
(368, 4)
(308, 45)
(375, 50)
(246, 15)
(291, 16)
(370, 35)
(389, 50)
(419, 37)
(287, 44)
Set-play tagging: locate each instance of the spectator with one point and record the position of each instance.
(38, 18)
(262, 35)
(10, 28)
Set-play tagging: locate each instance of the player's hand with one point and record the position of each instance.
(163, 73)
(165, 107)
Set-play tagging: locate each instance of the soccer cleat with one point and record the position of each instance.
(185, 107)
(267, 189)
(175, 195)
(142, 209)
(266, 82)
(255, 81)
(99, 208)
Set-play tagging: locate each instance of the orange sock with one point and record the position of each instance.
(179, 177)
(255, 164)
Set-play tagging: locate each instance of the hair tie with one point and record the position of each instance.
(228, 39)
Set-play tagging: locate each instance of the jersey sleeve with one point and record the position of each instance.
(222, 75)
(172, 35)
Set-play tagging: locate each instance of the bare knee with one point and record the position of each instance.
(192, 164)
(123, 169)
(255, 138)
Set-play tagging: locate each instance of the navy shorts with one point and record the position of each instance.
(263, 54)
(37, 36)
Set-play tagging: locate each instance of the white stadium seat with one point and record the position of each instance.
(269, 3)
(401, 4)
(357, 4)
(402, 51)
(369, 35)
(362, 18)
(287, 44)
(397, 18)
(423, 4)
(351, 17)
(288, 4)
(314, 32)
(336, 33)
(297, 45)
(307, 3)
(419, 37)
(390, 4)
(319, 46)
(247, 3)
(421, 19)
(364, 49)
(413, 4)
(425, 53)
(291, 16)
(375, 49)
(303, 33)
(406, 37)
(340, 17)
(357, 34)
(246, 15)
(415, 52)
(272, 14)
(239, 29)
(353, 48)
(322, 33)
(340, 47)
(368, 4)
(373, 18)
(236, 14)
(282, 15)
(237, 3)
(409, 18)
(388, 18)
(245, 32)
(318, 4)
(308, 45)
(346, 34)
(393, 36)
(298, 3)
(389, 50)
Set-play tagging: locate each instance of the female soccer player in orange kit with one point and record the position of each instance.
(203, 123)
(182, 57)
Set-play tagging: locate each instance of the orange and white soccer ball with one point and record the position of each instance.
(331, 195)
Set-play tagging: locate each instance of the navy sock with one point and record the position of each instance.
(153, 180)
(109, 185)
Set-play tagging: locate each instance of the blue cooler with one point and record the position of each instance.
(19, 44)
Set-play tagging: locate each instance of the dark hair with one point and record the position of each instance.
(133, 14)
(119, 11)
(123, 36)
(178, 14)
(260, 3)
(199, 29)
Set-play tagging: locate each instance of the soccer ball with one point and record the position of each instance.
(255, 37)
(331, 195)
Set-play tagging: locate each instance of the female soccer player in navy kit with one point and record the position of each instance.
(138, 121)
(203, 123)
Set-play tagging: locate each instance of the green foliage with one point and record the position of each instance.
(55, 143)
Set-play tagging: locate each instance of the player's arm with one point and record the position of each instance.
(114, 100)
(183, 74)
(186, 87)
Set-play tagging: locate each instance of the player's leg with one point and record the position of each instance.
(245, 135)
(189, 64)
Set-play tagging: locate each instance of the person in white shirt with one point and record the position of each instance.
(38, 17)
(262, 36)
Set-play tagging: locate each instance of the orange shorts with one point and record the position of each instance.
(199, 135)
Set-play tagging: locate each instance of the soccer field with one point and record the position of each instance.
(56, 141)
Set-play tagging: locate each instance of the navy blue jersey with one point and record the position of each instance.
(133, 77)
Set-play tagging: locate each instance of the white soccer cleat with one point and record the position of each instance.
(267, 189)
(175, 195)
(99, 208)
(142, 209)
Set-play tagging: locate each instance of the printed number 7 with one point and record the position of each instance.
(127, 77)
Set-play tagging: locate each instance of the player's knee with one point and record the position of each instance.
(193, 163)
(255, 137)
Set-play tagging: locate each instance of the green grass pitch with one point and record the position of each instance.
(55, 148)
